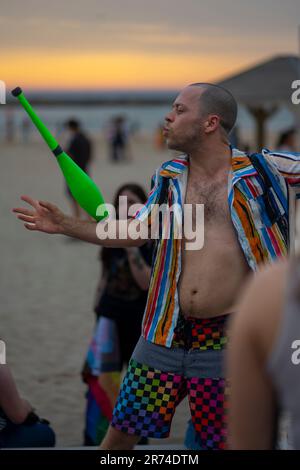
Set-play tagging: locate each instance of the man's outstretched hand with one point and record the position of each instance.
(46, 217)
(42, 216)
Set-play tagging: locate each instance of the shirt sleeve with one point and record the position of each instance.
(288, 165)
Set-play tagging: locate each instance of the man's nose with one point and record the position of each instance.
(169, 117)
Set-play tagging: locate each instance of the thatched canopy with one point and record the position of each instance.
(265, 87)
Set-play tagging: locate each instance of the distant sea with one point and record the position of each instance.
(144, 111)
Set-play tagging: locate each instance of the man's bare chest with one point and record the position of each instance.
(213, 195)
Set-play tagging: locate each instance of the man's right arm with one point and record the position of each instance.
(89, 231)
(48, 218)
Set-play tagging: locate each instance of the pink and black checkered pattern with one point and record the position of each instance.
(208, 399)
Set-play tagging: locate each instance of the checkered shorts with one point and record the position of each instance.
(149, 395)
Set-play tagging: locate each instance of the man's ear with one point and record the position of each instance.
(212, 123)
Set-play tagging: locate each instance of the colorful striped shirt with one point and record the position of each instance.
(259, 197)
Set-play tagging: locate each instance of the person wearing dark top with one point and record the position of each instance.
(80, 150)
(119, 307)
(20, 426)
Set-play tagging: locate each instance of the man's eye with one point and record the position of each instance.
(179, 110)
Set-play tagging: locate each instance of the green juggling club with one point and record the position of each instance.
(82, 187)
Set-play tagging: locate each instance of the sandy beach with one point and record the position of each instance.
(48, 284)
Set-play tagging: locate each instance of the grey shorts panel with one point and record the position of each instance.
(194, 363)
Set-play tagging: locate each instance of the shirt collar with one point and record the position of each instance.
(242, 166)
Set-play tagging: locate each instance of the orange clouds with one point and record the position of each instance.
(132, 70)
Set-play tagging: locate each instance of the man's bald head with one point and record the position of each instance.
(215, 99)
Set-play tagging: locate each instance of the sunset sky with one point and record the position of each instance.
(139, 44)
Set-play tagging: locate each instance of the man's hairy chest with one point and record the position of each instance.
(213, 194)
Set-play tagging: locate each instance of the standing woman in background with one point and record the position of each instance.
(120, 303)
(264, 361)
